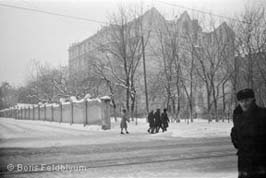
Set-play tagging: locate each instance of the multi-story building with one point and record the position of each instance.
(82, 52)
(156, 29)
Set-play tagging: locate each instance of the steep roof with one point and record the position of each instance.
(154, 19)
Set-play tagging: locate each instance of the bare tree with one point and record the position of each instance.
(212, 53)
(47, 84)
(251, 48)
(121, 52)
(8, 95)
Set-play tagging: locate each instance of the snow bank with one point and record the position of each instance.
(199, 128)
(36, 133)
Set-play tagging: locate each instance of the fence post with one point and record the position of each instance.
(86, 113)
(18, 113)
(72, 112)
(25, 113)
(105, 107)
(21, 113)
(52, 111)
(33, 110)
(45, 116)
(29, 113)
(39, 112)
(61, 112)
(15, 113)
(11, 113)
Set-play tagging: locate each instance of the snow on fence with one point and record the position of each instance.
(85, 111)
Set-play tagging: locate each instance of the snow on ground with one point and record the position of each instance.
(198, 128)
(29, 133)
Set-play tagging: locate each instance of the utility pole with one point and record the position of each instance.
(145, 78)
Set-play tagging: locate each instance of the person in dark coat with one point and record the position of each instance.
(248, 136)
(151, 122)
(157, 117)
(164, 120)
(124, 120)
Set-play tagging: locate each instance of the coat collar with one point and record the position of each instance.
(239, 110)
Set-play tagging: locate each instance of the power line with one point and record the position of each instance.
(201, 11)
(52, 13)
(83, 18)
(66, 16)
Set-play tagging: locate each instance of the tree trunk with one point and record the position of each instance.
(127, 95)
(224, 104)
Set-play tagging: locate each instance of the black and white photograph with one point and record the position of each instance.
(133, 88)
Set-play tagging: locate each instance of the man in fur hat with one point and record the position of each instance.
(248, 136)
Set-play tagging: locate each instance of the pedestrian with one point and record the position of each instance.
(151, 122)
(124, 120)
(157, 118)
(164, 120)
(248, 136)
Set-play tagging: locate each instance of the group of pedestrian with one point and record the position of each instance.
(158, 121)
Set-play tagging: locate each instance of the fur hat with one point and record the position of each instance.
(245, 93)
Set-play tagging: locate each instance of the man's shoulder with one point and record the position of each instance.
(261, 110)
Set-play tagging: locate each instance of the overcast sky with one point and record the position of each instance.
(27, 35)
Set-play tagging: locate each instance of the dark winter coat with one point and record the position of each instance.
(124, 120)
(165, 119)
(151, 119)
(157, 118)
(249, 138)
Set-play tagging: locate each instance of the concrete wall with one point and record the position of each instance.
(87, 112)
(36, 113)
(66, 113)
(79, 112)
(42, 114)
(57, 113)
(94, 112)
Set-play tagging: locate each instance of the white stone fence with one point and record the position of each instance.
(85, 111)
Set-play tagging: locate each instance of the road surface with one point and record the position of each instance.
(111, 155)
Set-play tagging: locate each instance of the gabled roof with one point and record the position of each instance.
(154, 17)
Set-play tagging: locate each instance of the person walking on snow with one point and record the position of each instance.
(124, 120)
(151, 122)
(157, 117)
(165, 120)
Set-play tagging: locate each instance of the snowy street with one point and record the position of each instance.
(47, 149)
